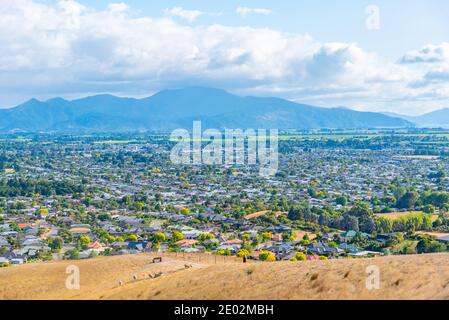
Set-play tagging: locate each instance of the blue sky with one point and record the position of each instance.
(317, 52)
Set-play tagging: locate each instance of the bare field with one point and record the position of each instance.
(401, 277)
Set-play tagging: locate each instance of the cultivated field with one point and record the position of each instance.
(128, 277)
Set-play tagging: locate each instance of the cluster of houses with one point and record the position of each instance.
(27, 241)
(30, 240)
(27, 223)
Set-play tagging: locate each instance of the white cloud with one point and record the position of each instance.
(68, 49)
(428, 54)
(244, 11)
(118, 7)
(71, 7)
(189, 15)
(430, 86)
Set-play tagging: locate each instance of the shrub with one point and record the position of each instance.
(72, 254)
(249, 271)
(225, 252)
(299, 256)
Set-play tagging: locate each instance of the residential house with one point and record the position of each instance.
(185, 243)
(347, 236)
(12, 258)
(323, 248)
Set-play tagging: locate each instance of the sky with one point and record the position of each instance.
(378, 55)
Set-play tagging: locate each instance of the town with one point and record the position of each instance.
(336, 195)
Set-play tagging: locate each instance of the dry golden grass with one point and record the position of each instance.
(401, 277)
(257, 214)
(299, 234)
(262, 213)
(397, 215)
(433, 234)
(420, 157)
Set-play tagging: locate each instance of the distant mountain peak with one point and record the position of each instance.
(193, 91)
(32, 101)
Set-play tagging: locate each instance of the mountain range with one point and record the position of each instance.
(170, 109)
(434, 119)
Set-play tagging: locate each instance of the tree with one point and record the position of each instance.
(267, 256)
(246, 237)
(159, 237)
(351, 223)
(384, 225)
(341, 200)
(360, 210)
(84, 241)
(367, 225)
(408, 200)
(55, 244)
(266, 235)
(185, 210)
(437, 199)
(176, 236)
(205, 236)
(43, 212)
(324, 220)
(430, 209)
(139, 206)
(131, 237)
(242, 253)
(427, 245)
(389, 201)
(396, 239)
(103, 217)
(104, 236)
(299, 212)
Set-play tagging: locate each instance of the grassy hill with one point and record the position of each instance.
(128, 277)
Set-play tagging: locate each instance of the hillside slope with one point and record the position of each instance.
(401, 277)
